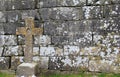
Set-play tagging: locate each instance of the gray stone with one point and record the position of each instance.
(46, 3)
(111, 10)
(91, 12)
(42, 40)
(103, 66)
(1, 51)
(2, 16)
(56, 28)
(36, 51)
(41, 61)
(10, 40)
(60, 40)
(71, 2)
(10, 28)
(60, 13)
(47, 51)
(13, 51)
(15, 61)
(3, 5)
(13, 16)
(31, 68)
(20, 4)
(21, 39)
(71, 50)
(80, 33)
(1, 28)
(30, 13)
(4, 62)
(2, 41)
(55, 63)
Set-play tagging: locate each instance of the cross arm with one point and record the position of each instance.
(21, 30)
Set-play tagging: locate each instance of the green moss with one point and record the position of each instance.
(6, 75)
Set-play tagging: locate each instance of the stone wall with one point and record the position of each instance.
(79, 35)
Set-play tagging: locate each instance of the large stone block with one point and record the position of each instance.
(10, 28)
(71, 50)
(111, 10)
(10, 40)
(42, 61)
(46, 3)
(4, 63)
(103, 66)
(20, 4)
(71, 2)
(61, 13)
(1, 51)
(27, 70)
(60, 40)
(36, 51)
(2, 16)
(2, 41)
(92, 12)
(13, 16)
(42, 40)
(3, 5)
(1, 28)
(56, 28)
(80, 33)
(13, 51)
(15, 61)
(101, 2)
(30, 13)
(51, 51)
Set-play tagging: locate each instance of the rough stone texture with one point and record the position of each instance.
(1, 51)
(15, 61)
(31, 68)
(4, 62)
(13, 51)
(78, 35)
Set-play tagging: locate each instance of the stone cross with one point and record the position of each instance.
(29, 30)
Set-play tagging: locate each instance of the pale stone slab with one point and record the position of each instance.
(27, 70)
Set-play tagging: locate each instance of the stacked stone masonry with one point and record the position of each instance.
(80, 35)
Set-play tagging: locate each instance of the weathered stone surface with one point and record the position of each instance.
(111, 10)
(46, 3)
(21, 40)
(13, 16)
(13, 51)
(1, 51)
(60, 40)
(56, 28)
(92, 12)
(42, 61)
(47, 51)
(30, 13)
(103, 66)
(15, 61)
(1, 28)
(4, 62)
(36, 51)
(71, 50)
(80, 33)
(31, 68)
(10, 40)
(10, 28)
(2, 16)
(42, 40)
(2, 41)
(66, 13)
(71, 2)
(51, 51)
(20, 4)
(101, 2)
(3, 5)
